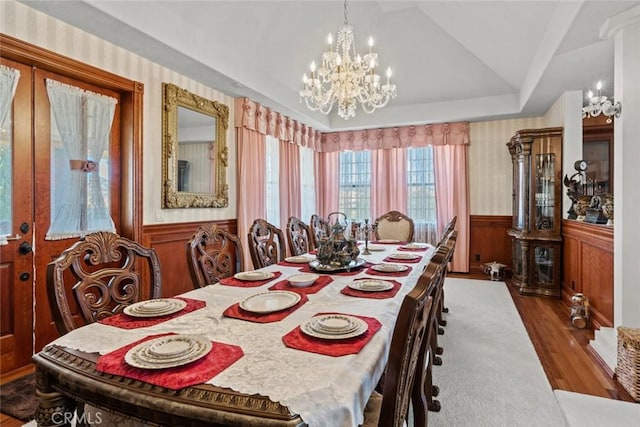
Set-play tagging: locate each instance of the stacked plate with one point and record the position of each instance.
(155, 307)
(168, 352)
(415, 246)
(252, 276)
(387, 241)
(389, 268)
(404, 256)
(334, 326)
(376, 248)
(371, 285)
(269, 302)
(300, 259)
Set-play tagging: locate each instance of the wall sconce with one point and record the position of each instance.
(601, 104)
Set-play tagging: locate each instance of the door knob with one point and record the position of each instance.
(25, 248)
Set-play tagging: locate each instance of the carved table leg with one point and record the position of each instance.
(54, 409)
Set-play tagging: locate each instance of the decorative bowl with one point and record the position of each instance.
(302, 280)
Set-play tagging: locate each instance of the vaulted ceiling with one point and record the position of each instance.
(451, 60)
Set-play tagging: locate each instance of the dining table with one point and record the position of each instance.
(260, 368)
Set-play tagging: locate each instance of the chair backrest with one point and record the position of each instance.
(319, 228)
(103, 273)
(298, 236)
(394, 225)
(213, 253)
(447, 230)
(410, 330)
(266, 244)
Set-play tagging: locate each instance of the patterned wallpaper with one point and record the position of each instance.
(489, 160)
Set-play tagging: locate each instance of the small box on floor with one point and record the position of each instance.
(494, 269)
(628, 369)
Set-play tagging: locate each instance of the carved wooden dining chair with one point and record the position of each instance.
(391, 407)
(104, 273)
(394, 225)
(447, 230)
(318, 228)
(213, 253)
(298, 236)
(266, 244)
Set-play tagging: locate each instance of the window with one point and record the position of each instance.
(355, 184)
(421, 193)
(307, 184)
(272, 201)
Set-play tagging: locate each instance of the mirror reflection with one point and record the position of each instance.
(194, 150)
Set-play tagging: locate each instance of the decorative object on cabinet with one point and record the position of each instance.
(607, 207)
(576, 186)
(194, 130)
(579, 315)
(535, 232)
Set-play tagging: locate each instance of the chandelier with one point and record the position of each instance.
(346, 77)
(601, 104)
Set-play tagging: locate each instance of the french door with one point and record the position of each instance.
(34, 146)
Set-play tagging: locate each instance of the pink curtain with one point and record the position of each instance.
(327, 174)
(251, 178)
(289, 182)
(406, 136)
(388, 181)
(452, 197)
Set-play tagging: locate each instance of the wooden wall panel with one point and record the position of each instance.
(169, 241)
(488, 241)
(588, 268)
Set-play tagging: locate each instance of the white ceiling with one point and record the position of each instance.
(451, 60)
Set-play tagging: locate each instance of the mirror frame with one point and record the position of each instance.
(174, 97)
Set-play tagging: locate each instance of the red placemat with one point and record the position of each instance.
(373, 272)
(373, 295)
(320, 283)
(219, 358)
(124, 321)
(353, 272)
(291, 264)
(413, 249)
(382, 242)
(232, 281)
(409, 261)
(300, 341)
(237, 313)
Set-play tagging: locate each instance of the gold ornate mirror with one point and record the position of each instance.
(194, 150)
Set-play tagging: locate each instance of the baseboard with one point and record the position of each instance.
(600, 361)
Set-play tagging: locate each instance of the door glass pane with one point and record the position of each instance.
(543, 271)
(520, 196)
(545, 188)
(6, 174)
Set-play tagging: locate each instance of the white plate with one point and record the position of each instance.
(268, 302)
(309, 328)
(404, 256)
(389, 268)
(415, 246)
(155, 307)
(194, 348)
(300, 259)
(388, 241)
(376, 248)
(302, 280)
(371, 285)
(252, 276)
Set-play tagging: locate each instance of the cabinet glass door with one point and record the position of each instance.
(543, 265)
(519, 196)
(544, 191)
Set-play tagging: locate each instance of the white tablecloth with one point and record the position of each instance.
(323, 390)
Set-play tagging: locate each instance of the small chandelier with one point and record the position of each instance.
(601, 104)
(347, 78)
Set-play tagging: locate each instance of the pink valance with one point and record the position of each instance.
(254, 116)
(406, 136)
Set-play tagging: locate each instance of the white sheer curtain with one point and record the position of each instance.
(8, 82)
(84, 122)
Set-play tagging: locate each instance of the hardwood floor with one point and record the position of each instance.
(561, 348)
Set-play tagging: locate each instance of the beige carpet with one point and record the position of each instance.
(582, 410)
(491, 375)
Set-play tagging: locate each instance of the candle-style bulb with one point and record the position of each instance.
(599, 85)
(305, 78)
(388, 72)
(330, 39)
(313, 67)
(370, 42)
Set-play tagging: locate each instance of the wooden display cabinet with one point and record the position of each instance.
(537, 211)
